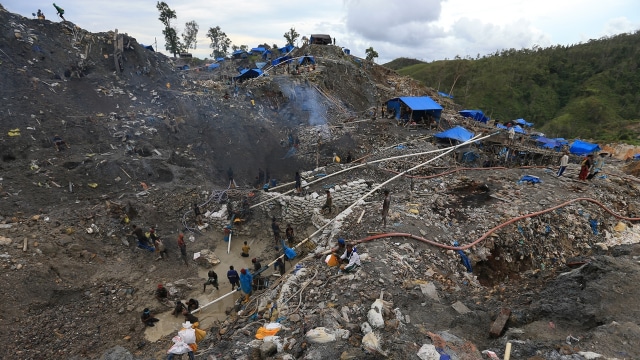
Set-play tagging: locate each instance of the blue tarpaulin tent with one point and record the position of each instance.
(523, 122)
(148, 47)
(281, 60)
(304, 60)
(239, 54)
(477, 115)
(500, 126)
(220, 59)
(248, 74)
(580, 147)
(260, 65)
(519, 129)
(419, 107)
(548, 143)
(213, 66)
(286, 49)
(258, 50)
(444, 94)
(457, 133)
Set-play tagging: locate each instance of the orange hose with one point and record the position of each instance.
(498, 227)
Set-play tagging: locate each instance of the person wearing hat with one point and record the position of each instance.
(340, 248)
(147, 317)
(183, 248)
(161, 293)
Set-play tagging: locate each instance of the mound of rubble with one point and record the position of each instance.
(552, 276)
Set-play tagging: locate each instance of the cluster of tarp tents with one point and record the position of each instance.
(419, 107)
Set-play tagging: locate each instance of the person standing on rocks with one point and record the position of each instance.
(183, 248)
(233, 277)
(289, 234)
(585, 166)
(246, 283)
(276, 230)
(385, 207)
(60, 11)
(328, 202)
(256, 265)
(198, 214)
(298, 179)
(212, 280)
(564, 162)
(232, 183)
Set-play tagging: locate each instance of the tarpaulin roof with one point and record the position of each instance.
(580, 147)
(519, 129)
(477, 115)
(419, 102)
(444, 94)
(248, 74)
(213, 66)
(287, 48)
(259, 49)
(237, 52)
(523, 122)
(280, 60)
(457, 133)
(305, 59)
(549, 143)
(220, 59)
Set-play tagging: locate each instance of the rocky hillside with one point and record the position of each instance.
(146, 141)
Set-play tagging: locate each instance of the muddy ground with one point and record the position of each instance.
(145, 151)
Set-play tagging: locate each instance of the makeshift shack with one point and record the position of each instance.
(247, 74)
(320, 39)
(306, 60)
(476, 115)
(415, 108)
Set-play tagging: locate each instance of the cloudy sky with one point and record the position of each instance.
(422, 29)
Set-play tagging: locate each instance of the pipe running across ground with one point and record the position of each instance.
(495, 228)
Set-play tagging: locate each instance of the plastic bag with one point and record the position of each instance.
(200, 334)
(269, 330)
(332, 260)
(188, 335)
(179, 346)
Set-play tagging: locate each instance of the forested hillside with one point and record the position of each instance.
(590, 90)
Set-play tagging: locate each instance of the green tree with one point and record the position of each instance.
(172, 43)
(291, 36)
(219, 42)
(371, 54)
(190, 34)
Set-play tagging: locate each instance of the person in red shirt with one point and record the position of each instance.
(183, 248)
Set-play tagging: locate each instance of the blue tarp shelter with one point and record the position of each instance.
(415, 108)
(286, 49)
(148, 47)
(239, 54)
(248, 74)
(477, 115)
(518, 129)
(281, 60)
(500, 126)
(306, 60)
(258, 50)
(580, 147)
(213, 66)
(260, 65)
(523, 122)
(457, 133)
(548, 143)
(220, 59)
(444, 94)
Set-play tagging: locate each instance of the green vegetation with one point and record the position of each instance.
(400, 63)
(590, 90)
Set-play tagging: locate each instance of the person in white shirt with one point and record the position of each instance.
(564, 162)
(354, 259)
